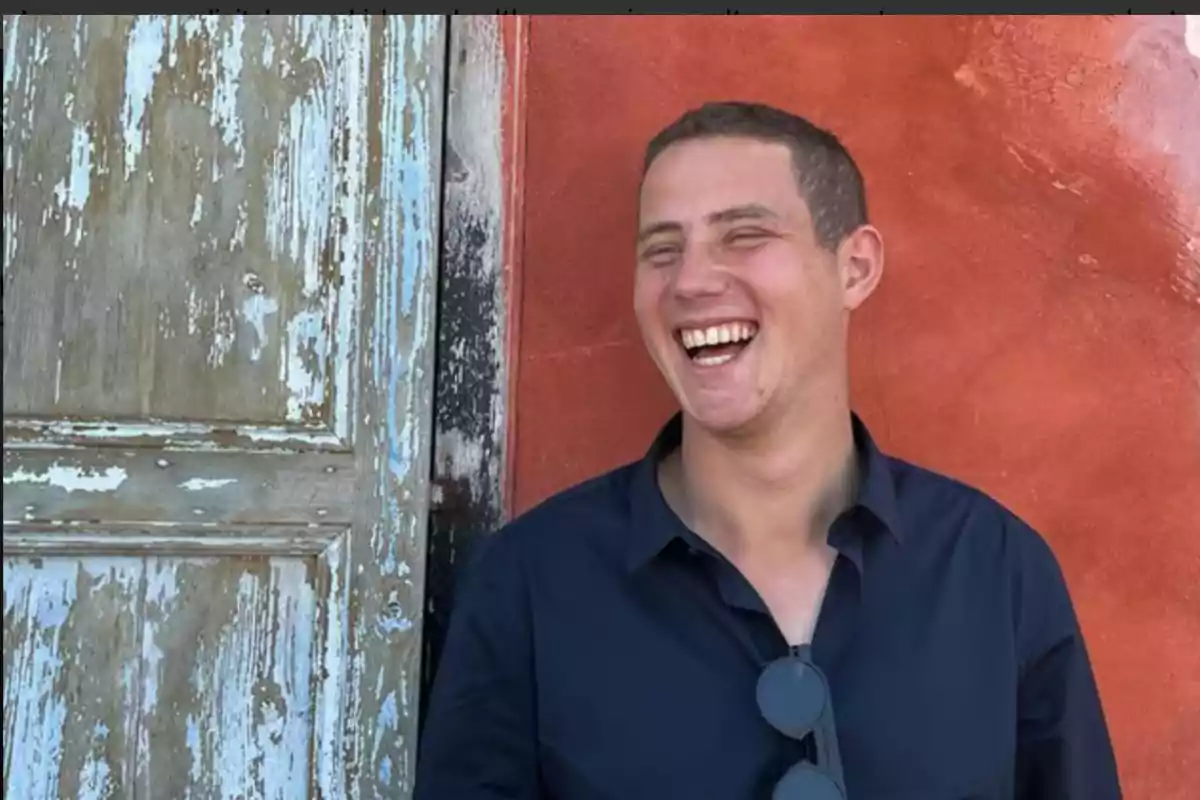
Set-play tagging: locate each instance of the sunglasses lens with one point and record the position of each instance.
(791, 696)
(805, 782)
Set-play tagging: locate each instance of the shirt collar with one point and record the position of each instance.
(656, 525)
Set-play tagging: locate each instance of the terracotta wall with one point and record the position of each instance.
(1037, 333)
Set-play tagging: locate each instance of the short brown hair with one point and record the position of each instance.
(827, 177)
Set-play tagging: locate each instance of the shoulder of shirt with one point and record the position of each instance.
(598, 499)
(971, 510)
(1003, 550)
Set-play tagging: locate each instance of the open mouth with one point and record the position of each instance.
(714, 345)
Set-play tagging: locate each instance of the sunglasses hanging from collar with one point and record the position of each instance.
(793, 696)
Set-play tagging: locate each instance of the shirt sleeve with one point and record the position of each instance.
(479, 740)
(1063, 747)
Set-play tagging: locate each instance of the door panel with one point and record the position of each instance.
(219, 255)
(70, 630)
(145, 485)
(216, 160)
(211, 663)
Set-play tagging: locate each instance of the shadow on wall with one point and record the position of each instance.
(1037, 180)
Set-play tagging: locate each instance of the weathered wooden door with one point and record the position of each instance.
(219, 257)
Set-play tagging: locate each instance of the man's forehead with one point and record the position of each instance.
(732, 146)
(719, 180)
(718, 159)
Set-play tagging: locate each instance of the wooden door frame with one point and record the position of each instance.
(479, 291)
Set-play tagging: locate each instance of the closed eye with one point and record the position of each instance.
(743, 237)
(662, 254)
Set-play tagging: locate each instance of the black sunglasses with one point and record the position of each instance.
(793, 696)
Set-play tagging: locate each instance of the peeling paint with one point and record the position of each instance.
(143, 62)
(226, 70)
(58, 364)
(350, 234)
(1191, 36)
(406, 195)
(73, 191)
(95, 779)
(303, 368)
(197, 210)
(200, 484)
(195, 307)
(10, 64)
(238, 240)
(222, 331)
(12, 26)
(71, 478)
(385, 726)
(36, 434)
(299, 199)
(255, 310)
(268, 55)
(462, 459)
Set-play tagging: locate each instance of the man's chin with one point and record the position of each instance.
(722, 420)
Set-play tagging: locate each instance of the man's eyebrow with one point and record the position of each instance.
(732, 214)
(657, 228)
(748, 211)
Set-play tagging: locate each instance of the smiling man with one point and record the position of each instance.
(765, 605)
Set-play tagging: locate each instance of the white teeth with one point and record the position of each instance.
(718, 334)
(712, 361)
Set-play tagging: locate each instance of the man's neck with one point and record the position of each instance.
(775, 493)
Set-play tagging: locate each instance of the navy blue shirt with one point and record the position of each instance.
(600, 649)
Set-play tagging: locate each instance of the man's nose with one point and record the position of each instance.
(699, 275)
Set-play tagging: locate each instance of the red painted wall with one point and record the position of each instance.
(1037, 332)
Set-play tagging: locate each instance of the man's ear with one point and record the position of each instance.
(860, 264)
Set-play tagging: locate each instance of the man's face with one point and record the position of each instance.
(738, 305)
